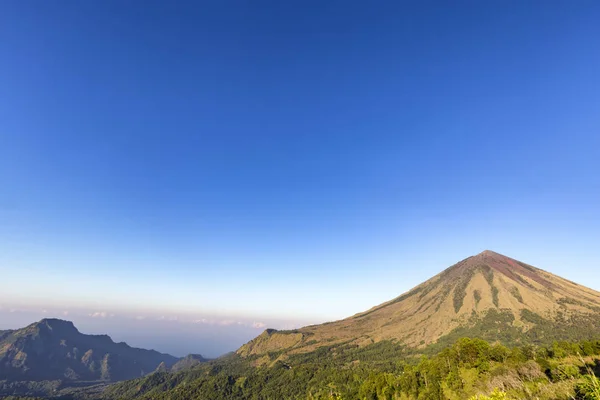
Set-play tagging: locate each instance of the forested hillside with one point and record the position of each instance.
(471, 367)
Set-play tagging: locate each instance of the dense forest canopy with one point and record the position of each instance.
(471, 368)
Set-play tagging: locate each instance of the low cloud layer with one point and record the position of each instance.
(177, 334)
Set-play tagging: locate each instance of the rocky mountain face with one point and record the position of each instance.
(54, 349)
(488, 295)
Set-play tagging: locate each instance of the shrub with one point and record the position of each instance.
(495, 395)
(531, 371)
(588, 388)
(565, 371)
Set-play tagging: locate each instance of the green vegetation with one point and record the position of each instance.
(477, 297)
(495, 395)
(495, 298)
(469, 369)
(488, 274)
(460, 291)
(494, 325)
(28, 388)
(498, 325)
(516, 294)
(21, 398)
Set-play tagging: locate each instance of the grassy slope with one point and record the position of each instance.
(456, 300)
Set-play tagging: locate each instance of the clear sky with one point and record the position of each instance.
(275, 163)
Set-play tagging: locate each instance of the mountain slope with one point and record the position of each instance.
(488, 295)
(54, 349)
(188, 362)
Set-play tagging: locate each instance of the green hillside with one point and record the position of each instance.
(470, 367)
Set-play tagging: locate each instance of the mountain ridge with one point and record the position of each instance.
(54, 349)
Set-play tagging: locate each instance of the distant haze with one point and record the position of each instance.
(177, 335)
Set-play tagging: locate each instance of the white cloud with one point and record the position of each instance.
(287, 327)
(165, 318)
(65, 313)
(99, 314)
(228, 322)
(140, 317)
(221, 322)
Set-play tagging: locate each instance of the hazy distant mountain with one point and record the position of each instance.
(489, 296)
(188, 362)
(54, 349)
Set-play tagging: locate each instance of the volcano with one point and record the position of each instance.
(488, 295)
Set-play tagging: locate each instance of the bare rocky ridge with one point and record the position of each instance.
(487, 295)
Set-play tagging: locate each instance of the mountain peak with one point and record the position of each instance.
(490, 253)
(490, 263)
(474, 296)
(56, 322)
(57, 325)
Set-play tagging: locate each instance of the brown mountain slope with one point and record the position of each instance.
(488, 295)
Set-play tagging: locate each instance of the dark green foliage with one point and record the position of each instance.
(459, 297)
(574, 328)
(588, 388)
(460, 291)
(375, 372)
(24, 388)
(63, 390)
(516, 294)
(497, 326)
(21, 398)
(564, 371)
(477, 297)
(494, 325)
(569, 300)
(488, 274)
(530, 316)
(495, 296)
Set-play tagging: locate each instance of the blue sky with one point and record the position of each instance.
(289, 162)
